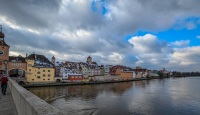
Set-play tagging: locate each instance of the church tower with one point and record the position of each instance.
(53, 60)
(4, 52)
(89, 60)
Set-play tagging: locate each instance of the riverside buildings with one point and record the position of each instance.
(39, 69)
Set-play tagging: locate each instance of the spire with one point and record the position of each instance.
(1, 34)
(53, 60)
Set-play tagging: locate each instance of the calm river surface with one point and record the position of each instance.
(153, 97)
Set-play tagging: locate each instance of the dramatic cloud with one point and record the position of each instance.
(186, 57)
(74, 29)
(150, 51)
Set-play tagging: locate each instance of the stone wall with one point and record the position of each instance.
(29, 104)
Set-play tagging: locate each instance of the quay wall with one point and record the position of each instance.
(29, 104)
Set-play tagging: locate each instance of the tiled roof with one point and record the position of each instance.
(1, 35)
(17, 59)
(41, 59)
(3, 43)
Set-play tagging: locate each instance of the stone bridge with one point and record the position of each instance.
(28, 104)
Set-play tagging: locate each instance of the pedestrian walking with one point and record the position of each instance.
(4, 80)
(0, 81)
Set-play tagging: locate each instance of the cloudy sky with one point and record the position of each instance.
(153, 34)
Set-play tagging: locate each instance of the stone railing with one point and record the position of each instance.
(29, 104)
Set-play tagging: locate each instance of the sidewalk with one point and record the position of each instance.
(7, 106)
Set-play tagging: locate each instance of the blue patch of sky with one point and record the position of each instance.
(93, 6)
(173, 34)
(103, 9)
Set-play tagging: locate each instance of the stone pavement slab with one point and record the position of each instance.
(7, 106)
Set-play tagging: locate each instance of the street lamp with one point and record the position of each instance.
(6, 66)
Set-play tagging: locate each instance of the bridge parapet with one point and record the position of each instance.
(29, 104)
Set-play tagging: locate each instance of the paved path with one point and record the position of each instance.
(7, 106)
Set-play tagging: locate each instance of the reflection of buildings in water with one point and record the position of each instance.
(43, 92)
(122, 87)
(142, 83)
(83, 91)
(91, 91)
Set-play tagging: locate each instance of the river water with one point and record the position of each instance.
(148, 97)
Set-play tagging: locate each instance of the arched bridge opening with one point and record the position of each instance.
(17, 72)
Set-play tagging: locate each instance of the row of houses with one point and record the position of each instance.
(38, 69)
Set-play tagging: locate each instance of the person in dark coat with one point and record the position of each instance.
(4, 80)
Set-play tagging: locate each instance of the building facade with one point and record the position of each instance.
(127, 75)
(116, 70)
(4, 53)
(39, 69)
(17, 66)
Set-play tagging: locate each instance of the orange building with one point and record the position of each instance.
(116, 70)
(126, 75)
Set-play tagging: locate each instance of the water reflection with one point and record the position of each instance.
(159, 96)
(85, 91)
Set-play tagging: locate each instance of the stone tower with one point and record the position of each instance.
(89, 60)
(53, 60)
(4, 52)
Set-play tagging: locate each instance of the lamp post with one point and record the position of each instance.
(6, 66)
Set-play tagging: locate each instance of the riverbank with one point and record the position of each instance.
(86, 83)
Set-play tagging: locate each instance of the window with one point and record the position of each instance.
(1, 62)
(38, 76)
(32, 79)
(48, 70)
(29, 69)
(43, 79)
(44, 75)
(49, 75)
(48, 79)
(29, 65)
(43, 70)
(38, 72)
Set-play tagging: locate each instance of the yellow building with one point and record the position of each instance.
(39, 69)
